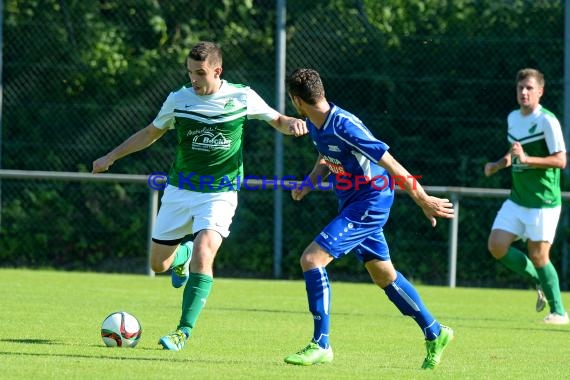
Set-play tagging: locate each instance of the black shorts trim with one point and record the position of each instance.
(167, 242)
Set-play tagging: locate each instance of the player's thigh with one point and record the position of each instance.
(374, 247)
(184, 212)
(350, 229)
(215, 212)
(175, 216)
(541, 224)
(508, 220)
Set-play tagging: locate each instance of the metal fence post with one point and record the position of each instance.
(152, 211)
(280, 105)
(453, 229)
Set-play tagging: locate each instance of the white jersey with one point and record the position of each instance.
(230, 102)
(540, 135)
(210, 132)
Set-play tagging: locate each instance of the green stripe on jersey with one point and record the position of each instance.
(209, 131)
(534, 187)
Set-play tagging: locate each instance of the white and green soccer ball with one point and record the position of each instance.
(121, 329)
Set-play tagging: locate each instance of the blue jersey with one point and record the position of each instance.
(351, 153)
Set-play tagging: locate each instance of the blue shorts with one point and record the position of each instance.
(356, 229)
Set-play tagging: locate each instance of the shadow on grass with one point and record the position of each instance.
(55, 342)
(281, 311)
(159, 358)
(31, 341)
(105, 357)
(117, 352)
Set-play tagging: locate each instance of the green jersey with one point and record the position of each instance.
(209, 132)
(540, 135)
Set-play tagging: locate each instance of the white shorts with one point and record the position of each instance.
(184, 212)
(534, 224)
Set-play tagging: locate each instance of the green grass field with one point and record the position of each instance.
(50, 329)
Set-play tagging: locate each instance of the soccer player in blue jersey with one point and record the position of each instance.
(358, 165)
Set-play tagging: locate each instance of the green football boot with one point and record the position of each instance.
(174, 341)
(435, 347)
(312, 354)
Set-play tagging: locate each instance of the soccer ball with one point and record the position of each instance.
(121, 329)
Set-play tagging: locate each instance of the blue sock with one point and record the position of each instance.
(408, 301)
(319, 296)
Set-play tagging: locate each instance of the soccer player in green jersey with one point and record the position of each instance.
(208, 115)
(536, 155)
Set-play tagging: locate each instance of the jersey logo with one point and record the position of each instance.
(334, 165)
(334, 148)
(208, 141)
(229, 104)
(532, 128)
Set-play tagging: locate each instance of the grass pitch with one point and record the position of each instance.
(50, 329)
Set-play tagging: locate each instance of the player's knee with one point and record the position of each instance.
(382, 282)
(162, 256)
(539, 259)
(310, 260)
(496, 250)
(306, 262)
(158, 266)
(492, 248)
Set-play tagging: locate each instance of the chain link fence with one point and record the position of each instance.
(434, 79)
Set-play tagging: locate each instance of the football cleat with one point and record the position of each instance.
(312, 354)
(435, 347)
(556, 319)
(174, 341)
(540, 299)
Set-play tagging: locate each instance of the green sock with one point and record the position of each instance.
(181, 255)
(518, 262)
(194, 299)
(551, 288)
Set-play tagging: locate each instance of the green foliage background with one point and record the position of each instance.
(434, 79)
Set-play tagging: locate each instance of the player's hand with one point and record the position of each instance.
(490, 169)
(437, 207)
(297, 127)
(518, 151)
(298, 194)
(101, 164)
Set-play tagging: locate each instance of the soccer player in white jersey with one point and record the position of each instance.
(363, 174)
(536, 155)
(208, 116)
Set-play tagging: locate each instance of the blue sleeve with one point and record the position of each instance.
(355, 134)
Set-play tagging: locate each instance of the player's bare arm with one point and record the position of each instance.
(556, 160)
(290, 125)
(431, 206)
(493, 167)
(319, 173)
(138, 141)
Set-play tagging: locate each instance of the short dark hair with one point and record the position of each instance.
(306, 84)
(531, 73)
(206, 50)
